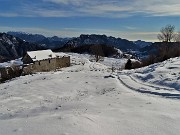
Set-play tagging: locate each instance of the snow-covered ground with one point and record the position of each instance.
(88, 99)
(11, 63)
(166, 74)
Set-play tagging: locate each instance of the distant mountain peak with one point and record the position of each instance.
(142, 44)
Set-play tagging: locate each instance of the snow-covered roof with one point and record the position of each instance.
(134, 60)
(61, 54)
(41, 55)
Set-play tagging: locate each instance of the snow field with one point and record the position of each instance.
(88, 99)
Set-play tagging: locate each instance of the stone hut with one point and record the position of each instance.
(43, 61)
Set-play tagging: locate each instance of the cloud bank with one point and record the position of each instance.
(74, 32)
(91, 8)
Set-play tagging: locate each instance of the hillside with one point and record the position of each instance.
(12, 47)
(89, 99)
(101, 49)
(159, 51)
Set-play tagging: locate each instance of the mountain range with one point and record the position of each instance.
(48, 42)
(57, 42)
(119, 43)
(15, 44)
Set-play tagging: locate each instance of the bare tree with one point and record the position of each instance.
(97, 53)
(166, 33)
(177, 37)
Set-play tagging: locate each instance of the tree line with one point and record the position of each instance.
(168, 47)
(168, 34)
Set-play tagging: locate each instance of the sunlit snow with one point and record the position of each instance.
(90, 98)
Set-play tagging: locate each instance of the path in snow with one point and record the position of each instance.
(133, 84)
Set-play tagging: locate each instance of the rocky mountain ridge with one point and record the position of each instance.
(12, 47)
(84, 39)
(48, 42)
(119, 43)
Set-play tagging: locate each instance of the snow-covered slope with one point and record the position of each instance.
(166, 74)
(88, 99)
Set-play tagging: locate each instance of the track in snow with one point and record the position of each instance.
(132, 84)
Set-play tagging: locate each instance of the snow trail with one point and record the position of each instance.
(148, 89)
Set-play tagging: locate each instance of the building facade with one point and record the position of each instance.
(43, 61)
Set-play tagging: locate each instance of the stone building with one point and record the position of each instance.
(43, 61)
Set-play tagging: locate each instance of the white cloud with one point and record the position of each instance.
(101, 8)
(124, 7)
(51, 13)
(9, 14)
(130, 27)
(74, 2)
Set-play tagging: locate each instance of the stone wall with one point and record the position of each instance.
(7, 73)
(28, 69)
(44, 65)
(63, 62)
(47, 65)
(40, 66)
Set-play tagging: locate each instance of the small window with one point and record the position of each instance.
(39, 63)
(49, 61)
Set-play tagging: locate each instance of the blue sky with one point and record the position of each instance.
(130, 19)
